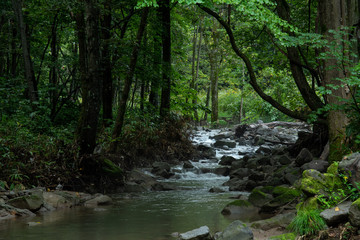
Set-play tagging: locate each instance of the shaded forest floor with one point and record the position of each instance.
(30, 160)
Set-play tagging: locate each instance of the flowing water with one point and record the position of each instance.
(140, 216)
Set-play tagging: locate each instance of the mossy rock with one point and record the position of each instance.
(240, 203)
(310, 203)
(314, 182)
(259, 198)
(109, 167)
(333, 168)
(285, 236)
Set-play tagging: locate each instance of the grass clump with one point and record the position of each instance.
(307, 222)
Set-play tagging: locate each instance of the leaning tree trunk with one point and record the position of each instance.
(91, 85)
(334, 15)
(29, 71)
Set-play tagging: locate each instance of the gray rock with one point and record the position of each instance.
(187, 165)
(162, 169)
(227, 160)
(339, 214)
(235, 231)
(216, 190)
(206, 152)
(303, 157)
(32, 202)
(55, 201)
(223, 171)
(224, 144)
(319, 165)
(98, 201)
(264, 149)
(202, 233)
(354, 213)
(281, 220)
(240, 173)
(352, 163)
(258, 140)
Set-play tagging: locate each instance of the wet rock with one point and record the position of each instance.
(264, 149)
(98, 201)
(319, 165)
(258, 140)
(235, 231)
(313, 182)
(223, 171)
(139, 182)
(221, 136)
(32, 202)
(240, 173)
(206, 152)
(281, 220)
(224, 144)
(240, 130)
(259, 198)
(202, 233)
(162, 187)
(216, 190)
(303, 157)
(162, 169)
(54, 201)
(354, 213)
(8, 211)
(188, 165)
(351, 163)
(227, 160)
(339, 214)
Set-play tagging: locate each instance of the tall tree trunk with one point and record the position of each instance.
(334, 15)
(155, 79)
(53, 70)
(107, 88)
(128, 80)
(195, 67)
(91, 85)
(29, 71)
(166, 57)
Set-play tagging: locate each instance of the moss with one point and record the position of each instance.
(310, 186)
(240, 203)
(111, 168)
(285, 236)
(356, 203)
(333, 168)
(310, 203)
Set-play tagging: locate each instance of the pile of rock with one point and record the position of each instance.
(37, 200)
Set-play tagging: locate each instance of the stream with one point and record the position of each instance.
(141, 216)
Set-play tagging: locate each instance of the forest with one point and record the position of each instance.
(90, 89)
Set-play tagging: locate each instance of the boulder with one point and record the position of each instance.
(8, 211)
(281, 220)
(227, 160)
(319, 165)
(223, 171)
(224, 144)
(351, 164)
(264, 149)
(162, 169)
(339, 214)
(354, 213)
(98, 201)
(206, 151)
(235, 231)
(216, 190)
(188, 165)
(240, 130)
(242, 210)
(201, 233)
(32, 201)
(313, 182)
(303, 157)
(259, 198)
(240, 173)
(55, 201)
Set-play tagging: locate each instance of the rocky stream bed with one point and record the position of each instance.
(264, 168)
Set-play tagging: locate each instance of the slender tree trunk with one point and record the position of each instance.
(29, 71)
(334, 15)
(53, 70)
(91, 85)
(155, 79)
(207, 103)
(107, 88)
(128, 80)
(166, 57)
